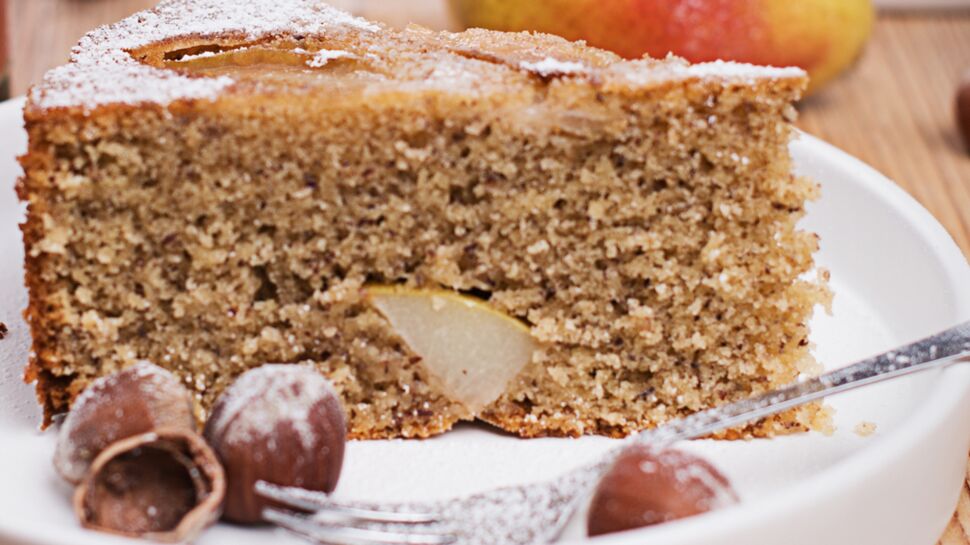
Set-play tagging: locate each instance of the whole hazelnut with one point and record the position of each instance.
(647, 486)
(963, 109)
(165, 485)
(282, 424)
(135, 400)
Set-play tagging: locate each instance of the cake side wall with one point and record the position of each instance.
(44, 313)
(702, 272)
(211, 240)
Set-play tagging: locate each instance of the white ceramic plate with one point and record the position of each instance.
(897, 276)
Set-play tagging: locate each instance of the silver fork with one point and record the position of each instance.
(535, 513)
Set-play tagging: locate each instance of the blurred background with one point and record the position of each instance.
(890, 79)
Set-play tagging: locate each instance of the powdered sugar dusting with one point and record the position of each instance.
(322, 57)
(75, 85)
(550, 66)
(274, 393)
(103, 72)
(722, 493)
(527, 514)
(691, 472)
(202, 55)
(726, 69)
(648, 71)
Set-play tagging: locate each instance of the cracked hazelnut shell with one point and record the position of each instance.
(278, 423)
(166, 486)
(646, 486)
(135, 400)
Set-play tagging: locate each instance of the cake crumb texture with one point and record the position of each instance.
(638, 216)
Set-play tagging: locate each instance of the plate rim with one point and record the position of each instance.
(948, 395)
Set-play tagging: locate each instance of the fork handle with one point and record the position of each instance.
(933, 352)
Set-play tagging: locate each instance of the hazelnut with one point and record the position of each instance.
(282, 424)
(165, 485)
(963, 109)
(646, 486)
(135, 400)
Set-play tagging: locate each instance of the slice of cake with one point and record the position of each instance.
(511, 227)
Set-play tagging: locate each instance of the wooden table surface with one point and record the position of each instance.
(894, 110)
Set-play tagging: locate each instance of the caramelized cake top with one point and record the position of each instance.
(192, 50)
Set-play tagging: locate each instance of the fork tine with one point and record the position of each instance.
(304, 526)
(311, 501)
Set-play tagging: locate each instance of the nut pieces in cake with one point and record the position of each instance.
(648, 486)
(278, 423)
(165, 485)
(138, 399)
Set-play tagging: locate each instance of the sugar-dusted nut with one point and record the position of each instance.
(135, 400)
(165, 485)
(646, 486)
(278, 423)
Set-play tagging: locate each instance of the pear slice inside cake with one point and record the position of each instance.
(471, 349)
(212, 187)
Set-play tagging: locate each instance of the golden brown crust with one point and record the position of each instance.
(41, 311)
